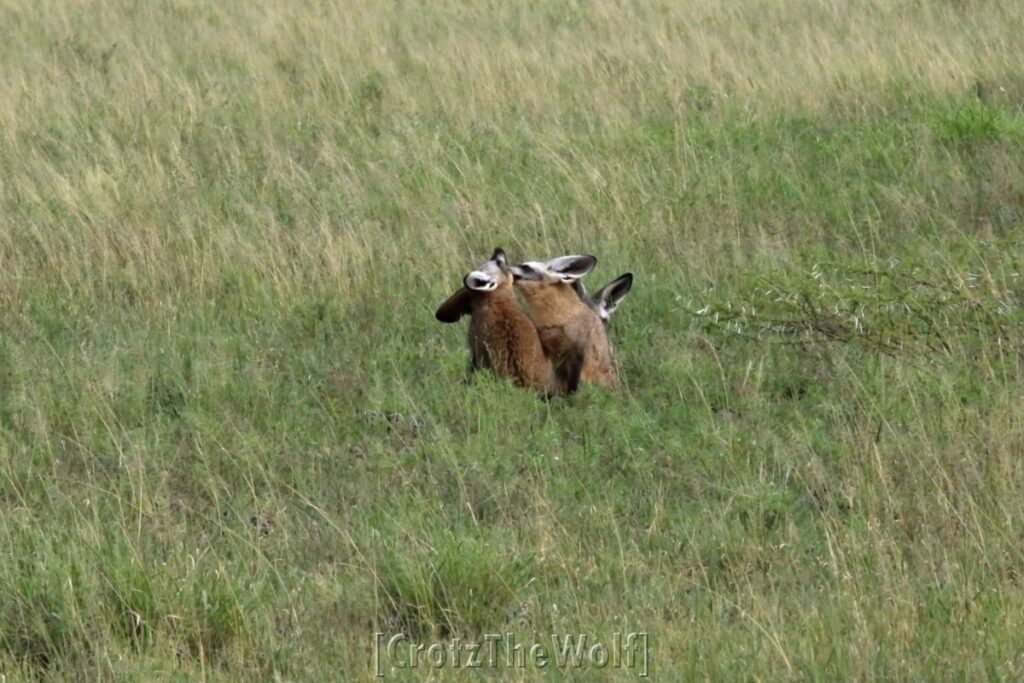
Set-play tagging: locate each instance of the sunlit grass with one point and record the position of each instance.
(234, 442)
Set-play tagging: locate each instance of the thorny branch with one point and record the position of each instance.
(889, 310)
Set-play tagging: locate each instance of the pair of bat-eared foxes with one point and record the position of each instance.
(551, 337)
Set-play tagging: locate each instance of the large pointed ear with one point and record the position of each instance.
(480, 281)
(455, 307)
(499, 258)
(570, 268)
(609, 296)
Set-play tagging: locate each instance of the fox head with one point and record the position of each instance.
(607, 299)
(562, 270)
(492, 275)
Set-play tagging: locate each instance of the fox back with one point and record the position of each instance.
(571, 332)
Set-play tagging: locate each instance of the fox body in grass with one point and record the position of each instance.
(598, 366)
(571, 325)
(501, 336)
(559, 341)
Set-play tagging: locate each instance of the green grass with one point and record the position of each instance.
(234, 442)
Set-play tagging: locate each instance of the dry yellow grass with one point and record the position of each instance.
(106, 107)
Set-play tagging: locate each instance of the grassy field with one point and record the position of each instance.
(234, 442)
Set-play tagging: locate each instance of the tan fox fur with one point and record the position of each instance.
(571, 331)
(501, 336)
(598, 366)
(572, 335)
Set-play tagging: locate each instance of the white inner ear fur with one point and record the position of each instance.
(570, 268)
(612, 294)
(480, 281)
(609, 302)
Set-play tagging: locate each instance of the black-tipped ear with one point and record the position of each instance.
(615, 291)
(572, 267)
(499, 257)
(456, 306)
